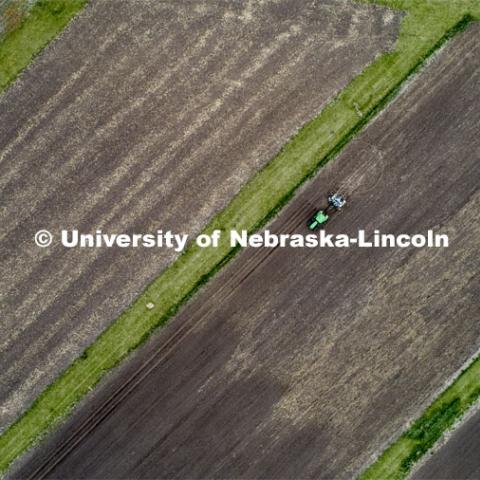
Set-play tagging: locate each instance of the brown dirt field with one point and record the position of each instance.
(147, 115)
(300, 363)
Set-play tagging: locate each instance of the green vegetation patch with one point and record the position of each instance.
(43, 22)
(395, 463)
(316, 143)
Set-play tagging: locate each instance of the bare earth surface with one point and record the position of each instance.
(145, 116)
(300, 363)
(459, 458)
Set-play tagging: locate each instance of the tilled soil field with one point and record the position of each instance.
(300, 363)
(145, 116)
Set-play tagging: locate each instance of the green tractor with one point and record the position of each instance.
(335, 203)
(318, 219)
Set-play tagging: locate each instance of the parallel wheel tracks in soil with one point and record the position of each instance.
(256, 258)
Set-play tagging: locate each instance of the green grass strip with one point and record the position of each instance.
(396, 462)
(44, 21)
(316, 143)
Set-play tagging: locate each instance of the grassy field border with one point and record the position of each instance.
(42, 23)
(398, 459)
(257, 202)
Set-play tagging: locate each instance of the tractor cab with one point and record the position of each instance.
(318, 219)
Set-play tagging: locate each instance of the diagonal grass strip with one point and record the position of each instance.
(396, 462)
(43, 22)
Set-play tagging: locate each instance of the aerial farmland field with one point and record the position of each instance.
(305, 363)
(144, 127)
(147, 115)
